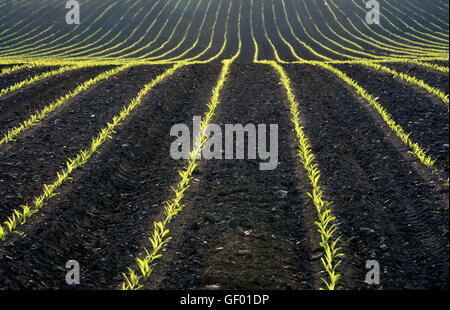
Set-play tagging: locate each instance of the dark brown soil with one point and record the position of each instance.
(386, 211)
(425, 116)
(104, 216)
(18, 106)
(432, 77)
(18, 76)
(40, 152)
(207, 252)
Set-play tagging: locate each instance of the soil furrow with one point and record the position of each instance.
(432, 77)
(272, 249)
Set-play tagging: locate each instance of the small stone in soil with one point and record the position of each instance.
(213, 287)
(316, 256)
(212, 218)
(366, 231)
(282, 194)
(245, 252)
(206, 274)
(233, 223)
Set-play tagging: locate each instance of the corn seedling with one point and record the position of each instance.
(326, 221)
(160, 238)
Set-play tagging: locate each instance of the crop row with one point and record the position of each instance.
(160, 237)
(411, 80)
(279, 34)
(34, 79)
(326, 221)
(24, 212)
(416, 149)
(117, 48)
(170, 31)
